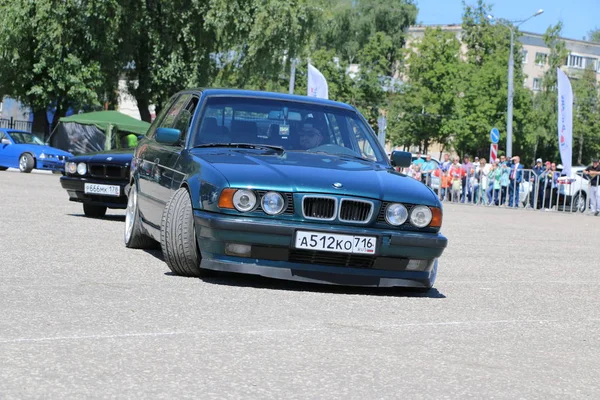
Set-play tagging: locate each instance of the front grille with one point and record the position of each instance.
(289, 199)
(107, 171)
(319, 207)
(62, 158)
(355, 211)
(330, 258)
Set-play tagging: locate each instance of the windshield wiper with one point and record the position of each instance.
(278, 149)
(341, 155)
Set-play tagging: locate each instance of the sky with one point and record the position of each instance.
(578, 16)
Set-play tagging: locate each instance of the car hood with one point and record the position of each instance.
(316, 173)
(106, 157)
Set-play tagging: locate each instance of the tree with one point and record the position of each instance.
(349, 27)
(484, 82)
(57, 55)
(425, 112)
(256, 41)
(594, 35)
(586, 116)
(544, 118)
(165, 47)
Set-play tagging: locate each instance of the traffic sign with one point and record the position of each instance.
(494, 135)
(493, 152)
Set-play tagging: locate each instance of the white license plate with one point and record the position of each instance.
(336, 243)
(106, 190)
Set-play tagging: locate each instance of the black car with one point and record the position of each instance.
(98, 180)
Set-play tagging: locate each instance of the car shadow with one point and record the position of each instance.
(117, 218)
(259, 282)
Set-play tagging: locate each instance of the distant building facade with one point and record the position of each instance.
(535, 54)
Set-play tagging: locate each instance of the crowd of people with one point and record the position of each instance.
(498, 183)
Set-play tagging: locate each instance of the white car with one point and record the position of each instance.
(571, 194)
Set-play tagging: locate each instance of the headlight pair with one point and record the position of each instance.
(244, 200)
(72, 168)
(396, 214)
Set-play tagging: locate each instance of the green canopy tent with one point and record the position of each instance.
(97, 131)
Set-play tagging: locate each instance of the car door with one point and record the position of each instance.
(183, 123)
(156, 161)
(3, 151)
(9, 153)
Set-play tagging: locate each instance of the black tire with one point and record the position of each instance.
(93, 211)
(3, 168)
(133, 236)
(26, 163)
(178, 236)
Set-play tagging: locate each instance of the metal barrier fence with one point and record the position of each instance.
(11, 123)
(489, 186)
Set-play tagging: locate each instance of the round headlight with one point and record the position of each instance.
(42, 156)
(272, 203)
(244, 200)
(396, 214)
(420, 216)
(81, 168)
(71, 167)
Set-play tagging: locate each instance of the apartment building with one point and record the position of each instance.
(535, 54)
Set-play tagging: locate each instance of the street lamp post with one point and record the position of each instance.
(511, 67)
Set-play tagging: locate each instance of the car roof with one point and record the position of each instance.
(268, 95)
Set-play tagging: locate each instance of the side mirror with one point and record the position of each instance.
(401, 159)
(168, 136)
(5, 141)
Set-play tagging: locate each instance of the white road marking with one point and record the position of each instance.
(267, 331)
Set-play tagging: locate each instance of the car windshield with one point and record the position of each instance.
(25, 138)
(291, 125)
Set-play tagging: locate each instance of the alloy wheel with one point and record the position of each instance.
(130, 213)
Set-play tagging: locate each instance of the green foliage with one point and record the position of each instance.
(586, 117)
(594, 35)
(544, 105)
(425, 113)
(57, 54)
(350, 27)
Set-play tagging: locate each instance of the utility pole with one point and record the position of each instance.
(511, 67)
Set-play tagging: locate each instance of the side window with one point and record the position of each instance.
(173, 113)
(158, 121)
(185, 118)
(364, 146)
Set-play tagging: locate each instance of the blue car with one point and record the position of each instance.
(282, 186)
(24, 150)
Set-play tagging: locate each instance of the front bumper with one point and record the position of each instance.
(273, 253)
(75, 188)
(50, 164)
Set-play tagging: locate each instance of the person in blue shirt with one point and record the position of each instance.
(538, 169)
(427, 168)
(515, 179)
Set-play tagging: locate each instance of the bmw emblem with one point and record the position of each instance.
(108, 158)
(337, 185)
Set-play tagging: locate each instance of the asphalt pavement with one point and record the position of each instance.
(514, 314)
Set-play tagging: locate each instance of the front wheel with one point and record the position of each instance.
(3, 168)
(94, 211)
(579, 202)
(26, 163)
(178, 236)
(133, 236)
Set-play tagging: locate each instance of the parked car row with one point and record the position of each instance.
(282, 186)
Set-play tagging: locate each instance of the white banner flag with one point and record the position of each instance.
(317, 84)
(565, 120)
